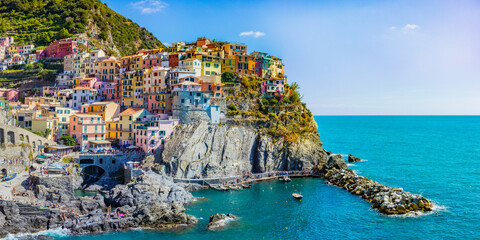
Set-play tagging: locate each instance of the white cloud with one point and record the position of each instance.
(411, 27)
(149, 6)
(405, 29)
(252, 33)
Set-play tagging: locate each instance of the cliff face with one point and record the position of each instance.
(204, 150)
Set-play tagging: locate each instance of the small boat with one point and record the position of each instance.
(235, 187)
(297, 196)
(9, 177)
(285, 179)
(40, 160)
(247, 185)
(224, 188)
(103, 191)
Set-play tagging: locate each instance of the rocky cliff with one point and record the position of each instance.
(205, 150)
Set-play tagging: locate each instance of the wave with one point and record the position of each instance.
(56, 233)
(351, 165)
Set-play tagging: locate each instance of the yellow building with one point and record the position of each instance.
(211, 63)
(127, 91)
(113, 130)
(126, 120)
(277, 68)
(106, 69)
(41, 124)
(228, 65)
(108, 110)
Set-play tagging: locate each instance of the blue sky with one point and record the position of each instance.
(349, 57)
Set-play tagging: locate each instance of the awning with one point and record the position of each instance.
(101, 142)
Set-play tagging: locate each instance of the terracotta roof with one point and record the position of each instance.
(84, 88)
(86, 115)
(131, 111)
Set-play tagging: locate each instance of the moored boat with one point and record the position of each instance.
(247, 185)
(9, 177)
(224, 188)
(285, 179)
(297, 196)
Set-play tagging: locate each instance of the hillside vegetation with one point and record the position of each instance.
(42, 21)
(286, 117)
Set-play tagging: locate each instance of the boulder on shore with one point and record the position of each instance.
(352, 158)
(219, 220)
(335, 161)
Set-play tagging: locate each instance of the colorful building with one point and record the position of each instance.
(232, 49)
(151, 132)
(86, 129)
(106, 69)
(83, 95)
(61, 48)
(194, 65)
(11, 95)
(107, 110)
(126, 124)
(63, 115)
(273, 87)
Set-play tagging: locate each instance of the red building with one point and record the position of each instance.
(117, 91)
(63, 47)
(173, 60)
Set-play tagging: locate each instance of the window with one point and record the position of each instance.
(216, 65)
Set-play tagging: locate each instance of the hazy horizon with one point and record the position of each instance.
(349, 57)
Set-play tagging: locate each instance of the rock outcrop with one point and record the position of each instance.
(335, 161)
(153, 201)
(388, 200)
(150, 187)
(205, 150)
(352, 158)
(218, 221)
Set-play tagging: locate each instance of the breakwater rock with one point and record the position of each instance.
(388, 200)
(352, 158)
(219, 221)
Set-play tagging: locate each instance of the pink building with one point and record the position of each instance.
(101, 88)
(86, 82)
(151, 132)
(11, 95)
(156, 60)
(6, 41)
(88, 130)
(273, 87)
(61, 48)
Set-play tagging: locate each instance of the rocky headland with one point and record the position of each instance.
(203, 150)
(387, 200)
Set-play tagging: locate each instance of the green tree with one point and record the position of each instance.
(63, 33)
(67, 140)
(228, 77)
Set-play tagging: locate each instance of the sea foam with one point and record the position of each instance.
(56, 233)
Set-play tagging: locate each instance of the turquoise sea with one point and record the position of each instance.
(437, 156)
